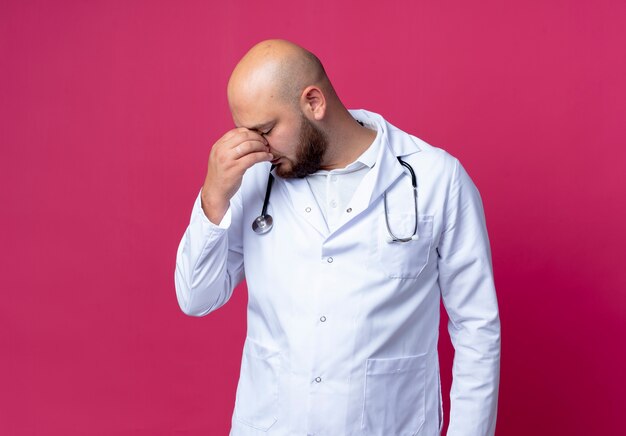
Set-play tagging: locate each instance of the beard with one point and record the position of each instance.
(310, 153)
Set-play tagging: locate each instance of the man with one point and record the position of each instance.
(344, 288)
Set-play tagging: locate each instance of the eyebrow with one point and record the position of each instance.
(260, 127)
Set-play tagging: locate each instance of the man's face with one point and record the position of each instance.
(308, 154)
(296, 143)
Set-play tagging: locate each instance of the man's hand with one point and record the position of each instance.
(229, 159)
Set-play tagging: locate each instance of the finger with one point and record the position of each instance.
(226, 136)
(253, 158)
(247, 147)
(242, 135)
(232, 133)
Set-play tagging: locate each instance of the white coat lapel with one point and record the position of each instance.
(387, 169)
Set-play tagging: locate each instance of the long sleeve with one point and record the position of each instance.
(468, 292)
(209, 260)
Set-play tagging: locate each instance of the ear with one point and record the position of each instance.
(313, 103)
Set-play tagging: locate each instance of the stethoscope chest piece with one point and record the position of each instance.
(262, 224)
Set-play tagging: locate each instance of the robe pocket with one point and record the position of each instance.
(256, 403)
(394, 396)
(404, 260)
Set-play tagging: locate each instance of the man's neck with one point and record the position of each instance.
(348, 141)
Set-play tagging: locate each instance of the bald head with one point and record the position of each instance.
(281, 91)
(278, 70)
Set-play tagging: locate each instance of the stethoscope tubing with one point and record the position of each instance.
(268, 190)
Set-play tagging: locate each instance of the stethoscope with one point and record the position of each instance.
(264, 222)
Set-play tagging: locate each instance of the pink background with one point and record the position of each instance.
(107, 113)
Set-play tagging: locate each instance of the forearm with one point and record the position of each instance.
(207, 266)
